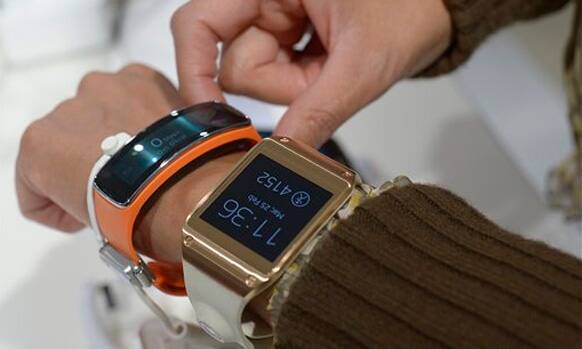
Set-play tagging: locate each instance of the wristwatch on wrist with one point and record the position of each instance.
(252, 228)
(132, 169)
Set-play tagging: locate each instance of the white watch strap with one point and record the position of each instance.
(109, 147)
(218, 309)
(91, 200)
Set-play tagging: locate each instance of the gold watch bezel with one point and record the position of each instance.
(240, 267)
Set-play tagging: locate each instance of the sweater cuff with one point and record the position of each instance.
(418, 267)
(475, 20)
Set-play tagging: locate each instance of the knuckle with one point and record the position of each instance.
(318, 124)
(321, 120)
(138, 69)
(179, 16)
(225, 79)
(93, 80)
(30, 136)
(63, 109)
(30, 142)
(26, 213)
(231, 79)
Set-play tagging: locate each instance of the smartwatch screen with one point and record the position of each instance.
(124, 174)
(266, 207)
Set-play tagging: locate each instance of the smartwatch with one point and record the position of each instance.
(247, 233)
(132, 169)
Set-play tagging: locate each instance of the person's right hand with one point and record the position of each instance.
(358, 51)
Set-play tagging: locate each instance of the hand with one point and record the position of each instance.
(58, 151)
(358, 51)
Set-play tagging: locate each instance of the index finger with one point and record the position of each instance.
(198, 27)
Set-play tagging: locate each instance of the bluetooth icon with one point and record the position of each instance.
(300, 199)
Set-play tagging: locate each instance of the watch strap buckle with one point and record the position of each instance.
(140, 277)
(137, 274)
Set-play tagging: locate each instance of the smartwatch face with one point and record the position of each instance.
(266, 206)
(124, 174)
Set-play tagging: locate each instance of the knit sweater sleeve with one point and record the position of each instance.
(418, 267)
(474, 20)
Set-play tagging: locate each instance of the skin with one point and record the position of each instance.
(359, 50)
(58, 151)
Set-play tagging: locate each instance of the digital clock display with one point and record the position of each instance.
(123, 175)
(266, 207)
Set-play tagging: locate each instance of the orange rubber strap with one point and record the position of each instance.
(117, 223)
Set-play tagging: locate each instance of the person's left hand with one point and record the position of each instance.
(58, 151)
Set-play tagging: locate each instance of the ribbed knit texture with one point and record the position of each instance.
(474, 20)
(418, 267)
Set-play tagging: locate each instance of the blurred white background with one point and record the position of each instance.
(452, 131)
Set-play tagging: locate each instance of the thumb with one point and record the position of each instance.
(345, 85)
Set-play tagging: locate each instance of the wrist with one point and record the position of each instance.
(159, 228)
(438, 29)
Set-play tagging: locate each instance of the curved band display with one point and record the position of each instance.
(117, 223)
(132, 170)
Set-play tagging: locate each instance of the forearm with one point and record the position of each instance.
(474, 20)
(417, 266)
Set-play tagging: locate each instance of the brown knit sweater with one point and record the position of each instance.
(418, 267)
(474, 20)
